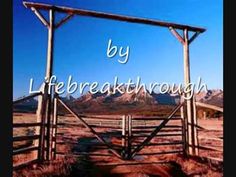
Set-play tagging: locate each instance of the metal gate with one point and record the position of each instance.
(126, 136)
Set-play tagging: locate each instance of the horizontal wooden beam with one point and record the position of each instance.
(152, 127)
(25, 150)
(25, 164)
(210, 138)
(204, 105)
(157, 135)
(161, 153)
(84, 153)
(111, 16)
(29, 137)
(153, 118)
(19, 125)
(210, 148)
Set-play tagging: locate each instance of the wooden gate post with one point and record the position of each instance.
(195, 126)
(190, 112)
(184, 125)
(123, 136)
(48, 76)
(129, 143)
(41, 110)
(54, 124)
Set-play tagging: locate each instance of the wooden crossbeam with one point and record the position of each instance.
(153, 134)
(40, 16)
(193, 37)
(177, 35)
(111, 16)
(64, 20)
(90, 128)
(209, 106)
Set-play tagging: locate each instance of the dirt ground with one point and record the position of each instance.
(81, 154)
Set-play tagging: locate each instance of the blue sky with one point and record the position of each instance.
(155, 55)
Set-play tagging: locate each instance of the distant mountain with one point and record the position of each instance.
(68, 98)
(29, 105)
(213, 97)
(142, 97)
(126, 102)
(118, 102)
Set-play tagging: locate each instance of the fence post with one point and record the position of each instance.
(48, 76)
(41, 118)
(129, 136)
(195, 126)
(38, 120)
(189, 102)
(54, 124)
(184, 125)
(123, 135)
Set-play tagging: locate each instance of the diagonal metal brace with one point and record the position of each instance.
(40, 16)
(64, 20)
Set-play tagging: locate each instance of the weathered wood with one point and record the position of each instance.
(64, 20)
(40, 16)
(163, 144)
(210, 148)
(110, 117)
(163, 123)
(49, 68)
(84, 153)
(153, 127)
(177, 35)
(25, 164)
(184, 131)
(25, 150)
(134, 133)
(129, 143)
(110, 16)
(124, 133)
(105, 126)
(161, 153)
(193, 37)
(41, 118)
(149, 131)
(21, 125)
(210, 138)
(195, 122)
(190, 114)
(90, 128)
(204, 105)
(54, 124)
(27, 137)
(50, 45)
(152, 118)
(158, 135)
